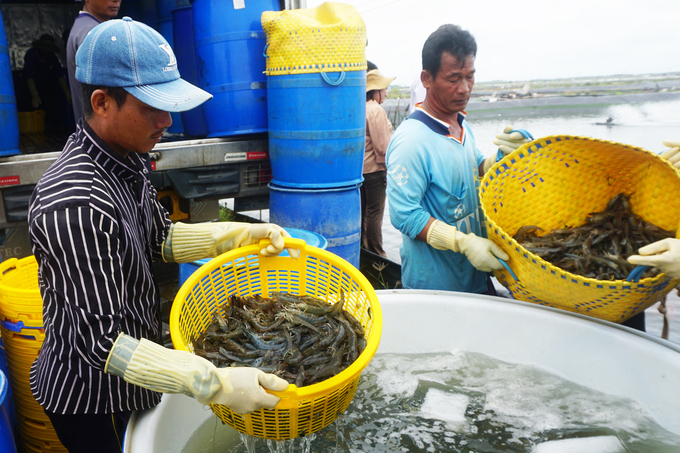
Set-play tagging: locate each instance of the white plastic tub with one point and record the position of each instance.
(603, 356)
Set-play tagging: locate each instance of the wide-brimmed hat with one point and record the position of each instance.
(131, 55)
(46, 43)
(377, 81)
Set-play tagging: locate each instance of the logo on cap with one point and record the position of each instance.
(173, 61)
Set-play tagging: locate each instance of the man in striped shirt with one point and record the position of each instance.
(96, 226)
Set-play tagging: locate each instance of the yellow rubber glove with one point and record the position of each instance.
(508, 142)
(664, 255)
(482, 253)
(672, 154)
(187, 242)
(150, 365)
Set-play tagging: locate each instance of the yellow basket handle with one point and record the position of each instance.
(507, 267)
(8, 265)
(291, 244)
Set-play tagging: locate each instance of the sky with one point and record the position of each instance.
(528, 39)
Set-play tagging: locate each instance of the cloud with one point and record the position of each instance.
(528, 39)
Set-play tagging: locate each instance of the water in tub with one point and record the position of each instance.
(465, 402)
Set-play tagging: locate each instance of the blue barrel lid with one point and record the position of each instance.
(310, 237)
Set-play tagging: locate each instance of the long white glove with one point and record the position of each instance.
(672, 154)
(507, 142)
(187, 242)
(482, 253)
(664, 255)
(149, 365)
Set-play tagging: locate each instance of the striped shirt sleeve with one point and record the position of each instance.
(84, 270)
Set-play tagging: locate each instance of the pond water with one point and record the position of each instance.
(463, 402)
(642, 124)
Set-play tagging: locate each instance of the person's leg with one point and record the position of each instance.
(85, 433)
(490, 289)
(375, 208)
(637, 322)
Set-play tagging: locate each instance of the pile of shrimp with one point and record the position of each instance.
(302, 339)
(600, 247)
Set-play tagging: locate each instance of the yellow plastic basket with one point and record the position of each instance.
(555, 182)
(32, 122)
(316, 272)
(328, 38)
(20, 299)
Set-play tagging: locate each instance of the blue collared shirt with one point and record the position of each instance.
(433, 174)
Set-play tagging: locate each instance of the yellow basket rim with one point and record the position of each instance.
(292, 393)
(496, 170)
(14, 264)
(560, 137)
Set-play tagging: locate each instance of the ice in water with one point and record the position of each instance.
(466, 402)
(597, 444)
(445, 406)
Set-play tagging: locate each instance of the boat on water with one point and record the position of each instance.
(609, 122)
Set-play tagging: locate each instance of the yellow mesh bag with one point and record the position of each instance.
(316, 272)
(328, 38)
(555, 182)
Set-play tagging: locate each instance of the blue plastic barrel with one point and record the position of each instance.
(6, 437)
(310, 238)
(148, 12)
(333, 213)
(229, 52)
(165, 8)
(8, 402)
(317, 129)
(193, 120)
(165, 29)
(9, 120)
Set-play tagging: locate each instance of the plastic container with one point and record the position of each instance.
(316, 272)
(310, 238)
(148, 12)
(165, 29)
(6, 432)
(20, 299)
(229, 51)
(333, 213)
(165, 8)
(556, 182)
(597, 354)
(193, 120)
(32, 122)
(8, 402)
(23, 334)
(9, 122)
(317, 128)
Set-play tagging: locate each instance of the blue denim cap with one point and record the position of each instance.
(129, 54)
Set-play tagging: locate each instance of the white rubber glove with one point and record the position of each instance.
(187, 242)
(664, 255)
(508, 142)
(149, 365)
(672, 155)
(482, 253)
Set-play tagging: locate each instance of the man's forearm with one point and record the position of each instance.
(423, 233)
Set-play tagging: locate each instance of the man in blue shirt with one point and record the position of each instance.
(94, 12)
(433, 168)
